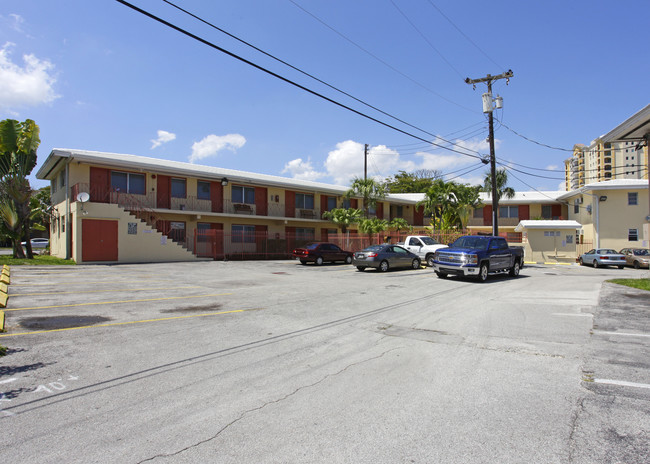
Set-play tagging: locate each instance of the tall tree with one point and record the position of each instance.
(18, 144)
(412, 182)
(501, 183)
(370, 190)
(343, 217)
(438, 199)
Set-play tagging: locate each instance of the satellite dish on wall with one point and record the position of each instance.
(83, 197)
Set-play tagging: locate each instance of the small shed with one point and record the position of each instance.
(549, 240)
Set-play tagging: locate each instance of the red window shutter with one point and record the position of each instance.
(418, 215)
(290, 204)
(524, 212)
(261, 201)
(216, 196)
(323, 204)
(354, 203)
(487, 215)
(380, 210)
(556, 211)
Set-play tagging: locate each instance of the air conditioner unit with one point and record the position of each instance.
(589, 209)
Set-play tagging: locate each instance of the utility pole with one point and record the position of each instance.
(365, 162)
(488, 107)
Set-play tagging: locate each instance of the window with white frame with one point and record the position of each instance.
(508, 211)
(243, 234)
(241, 194)
(633, 235)
(632, 198)
(304, 200)
(127, 182)
(203, 190)
(179, 188)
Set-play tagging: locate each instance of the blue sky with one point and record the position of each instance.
(96, 75)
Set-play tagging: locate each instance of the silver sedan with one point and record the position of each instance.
(384, 257)
(602, 257)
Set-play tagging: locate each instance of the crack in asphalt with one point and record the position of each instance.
(276, 401)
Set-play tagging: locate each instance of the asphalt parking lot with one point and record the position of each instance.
(278, 362)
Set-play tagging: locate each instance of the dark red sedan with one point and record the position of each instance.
(320, 252)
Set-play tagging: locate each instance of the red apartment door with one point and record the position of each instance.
(164, 197)
(98, 240)
(99, 184)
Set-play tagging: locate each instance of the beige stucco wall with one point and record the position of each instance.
(615, 217)
(146, 245)
(540, 246)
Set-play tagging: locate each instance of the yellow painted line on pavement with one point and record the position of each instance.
(102, 291)
(120, 302)
(130, 322)
(71, 284)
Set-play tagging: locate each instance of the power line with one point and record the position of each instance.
(465, 35)
(261, 68)
(425, 39)
(294, 67)
(379, 59)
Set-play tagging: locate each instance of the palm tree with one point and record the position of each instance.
(370, 190)
(373, 226)
(438, 199)
(343, 217)
(501, 185)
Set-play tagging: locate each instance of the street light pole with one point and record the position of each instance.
(488, 107)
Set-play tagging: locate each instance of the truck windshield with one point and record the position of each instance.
(473, 243)
(428, 241)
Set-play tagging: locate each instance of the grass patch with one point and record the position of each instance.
(39, 260)
(642, 284)
(3, 350)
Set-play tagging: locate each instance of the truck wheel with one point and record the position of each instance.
(514, 270)
(441, 275)
(383, 266)
(429, 259)
(483, 272)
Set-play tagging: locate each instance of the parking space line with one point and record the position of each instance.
(623, 334)
(621, 383)
(130, 322)
(71, 284)
(120, 301)
(14, 295)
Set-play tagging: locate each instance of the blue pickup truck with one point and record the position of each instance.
(478, 256)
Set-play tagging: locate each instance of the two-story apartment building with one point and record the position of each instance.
(110, 207)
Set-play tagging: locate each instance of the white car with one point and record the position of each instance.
(38, 243)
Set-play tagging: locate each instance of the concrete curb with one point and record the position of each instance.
(4, 293)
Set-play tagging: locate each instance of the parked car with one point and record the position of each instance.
(478, 256)
(602, 257)
(423, 246)
(38, 243)
(384, 257)
(637, 257)
(320, 252)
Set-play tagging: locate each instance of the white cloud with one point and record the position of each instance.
(346, 162)
(163, 137)
(552, 167)
(302, 170)
(213, 144)
(30, 85)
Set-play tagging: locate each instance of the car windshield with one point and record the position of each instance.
(428, 241)
(641, 252)
(472, 242)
